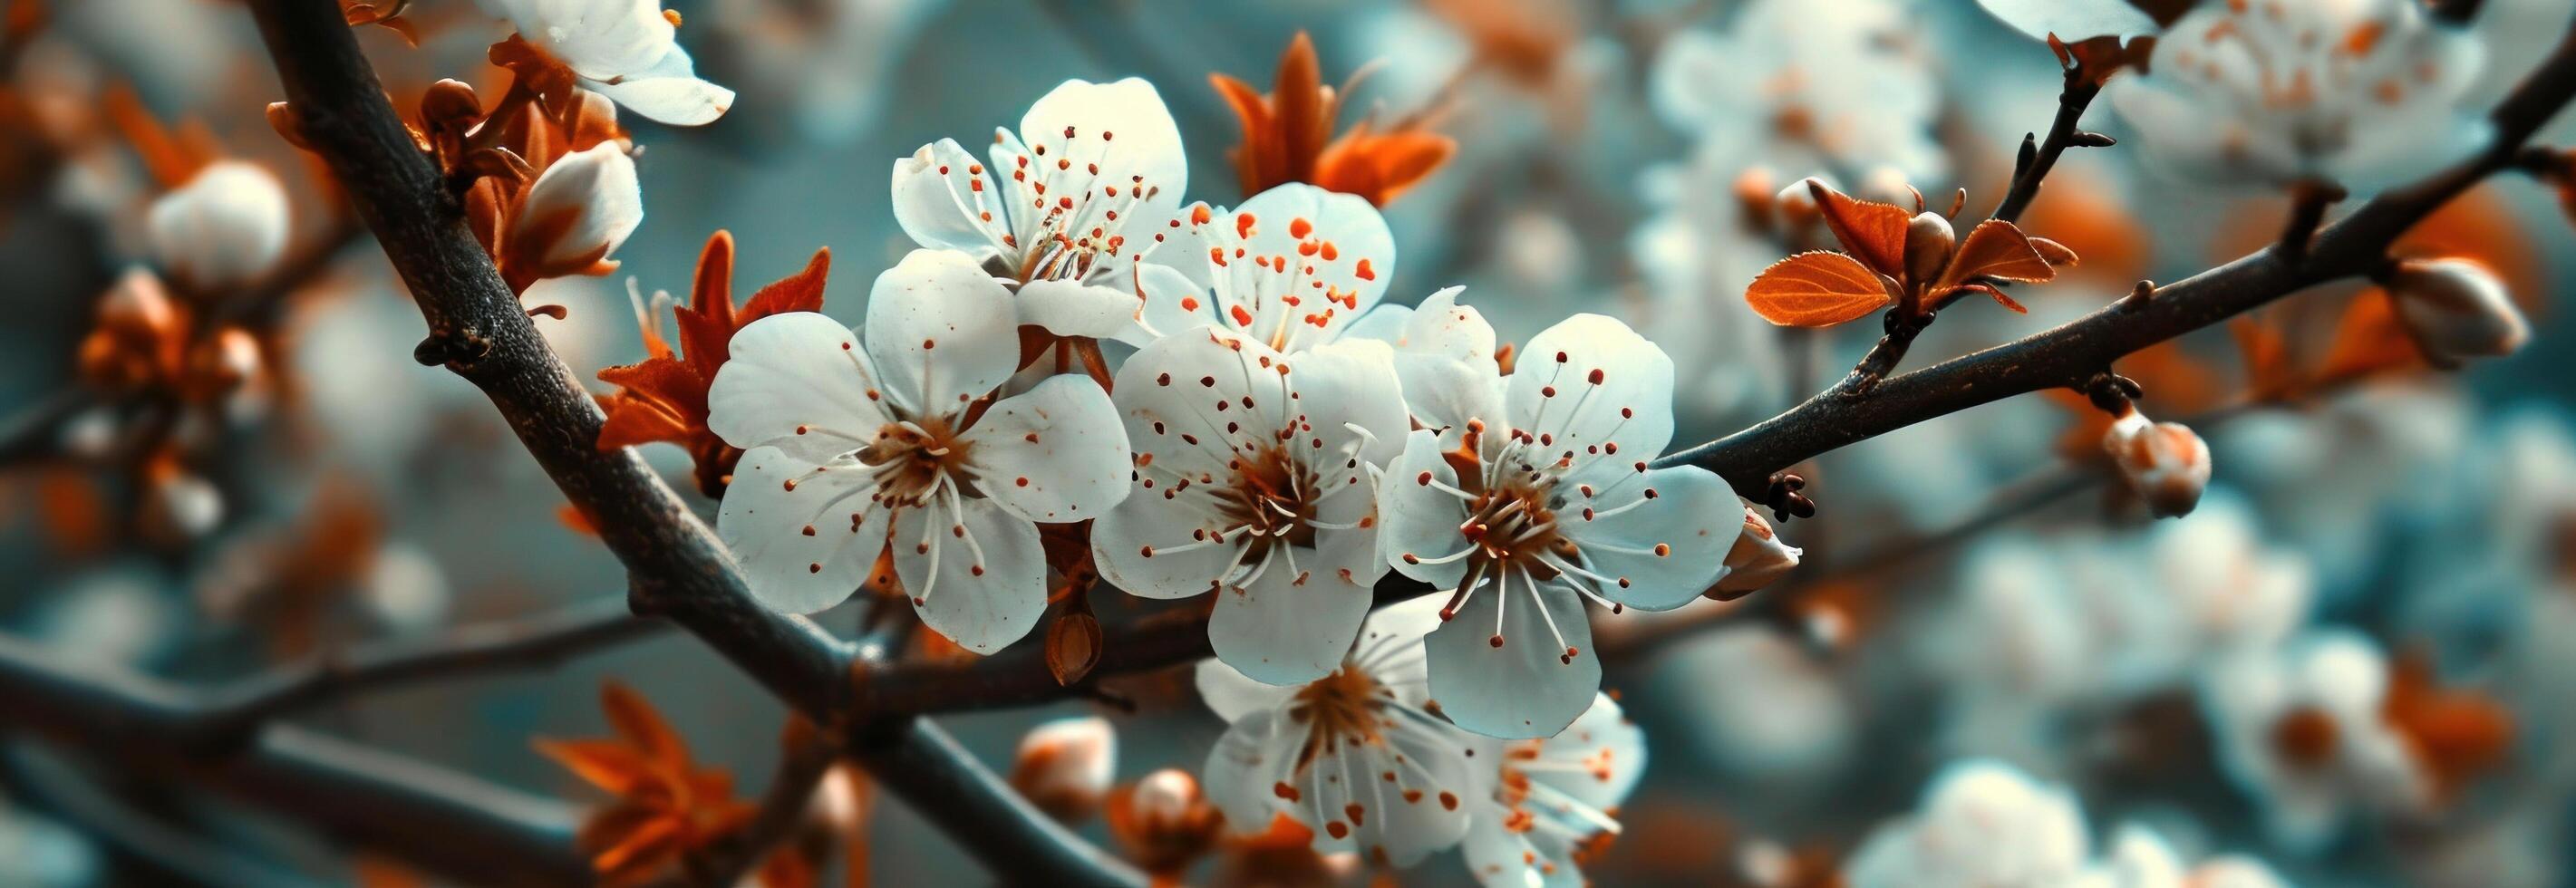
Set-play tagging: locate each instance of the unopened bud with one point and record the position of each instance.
(1757, 559)
(136, 339)
(1164, 822)
(2165, 463)
(224, 229)
(1798, 205)
(1755, 194)
(450, 105)
(2457, 309)
(1929, 241)
(1064, 766)
(222, 364)
(579, 211)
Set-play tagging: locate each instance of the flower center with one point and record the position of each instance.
(912, 459)
(1273, 497)
(1513, 527)
(1336, 709)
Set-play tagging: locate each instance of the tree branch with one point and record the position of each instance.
(677, 569)
(404, 807)
(540, 641)
(2072, 353)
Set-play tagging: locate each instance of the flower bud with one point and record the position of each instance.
(221, 365)
(1064, 766)
(578, 212)
(225, 228)
(137, 337)
(1755, 188)
(1798, 205)
(2165, 463)
(1929, 241)
(2457, 309)
(1757, 559)
(1164, 822)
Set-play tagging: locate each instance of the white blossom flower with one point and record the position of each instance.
(626, 50)
(1254, 474)
(1830, 84)
(1096, 173)
(225, 228)
(2139, 858)
(1354, 756)
(2301, 727)
(862, 439)
(1547, 500)
(1293, 267)
(1981, 823)
(581, 209)
(2359, 93)
(1551, 801)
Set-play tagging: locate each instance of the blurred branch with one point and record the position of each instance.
(676, 567)
(536, 642)
(36, 431)
(2069, 354)
(419, 812)
(51, 784)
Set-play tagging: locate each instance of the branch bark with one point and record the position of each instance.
(2069, 354)
(676, 567)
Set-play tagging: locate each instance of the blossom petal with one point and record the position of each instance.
(1232, 695)
(1123, 127)
(675, 99)
(804, 546)
(1150, 522)
(795, 371)
(1055, 453)
(977, 574)
(1293, 626)
(1169, 392)
(1421, 519)
(1528, 685)
(940, 194)
(1173, 303)
(1073, 308)
(1596, 393)
(942, 331)
(1659, 539)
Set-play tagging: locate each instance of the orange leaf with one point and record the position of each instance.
(1996, 249)
(635, 719)
(1817, 289)
(2056, 253)
(606, 764)
(1870, 231)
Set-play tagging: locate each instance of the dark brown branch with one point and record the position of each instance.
(397, 805)
(536, 642)
(2072, 353)
(676, 567)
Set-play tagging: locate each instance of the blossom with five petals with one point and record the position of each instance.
(1254, 477)
(887, 439)
(1095, 175)
(1356, 757)
(1547, 500)
(2361, 94)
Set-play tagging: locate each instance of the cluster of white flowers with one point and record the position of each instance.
(1984, 823)
(1276, 437)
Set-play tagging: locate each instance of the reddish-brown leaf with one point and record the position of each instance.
(635, 719)
(1817, 289)
(1870, 231)
(1996, 249)
(2057, 254)
(612, 766)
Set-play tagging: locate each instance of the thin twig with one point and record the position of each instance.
(2069, 354)
(541, 641)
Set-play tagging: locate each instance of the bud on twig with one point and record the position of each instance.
(1164, 821)
(2456, 309)
(2165, 463)
(579, 210)
(1064, 766)
(225, 228)
(1758, 558)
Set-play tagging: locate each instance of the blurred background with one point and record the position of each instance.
(1974, 587)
